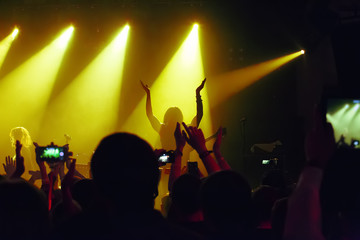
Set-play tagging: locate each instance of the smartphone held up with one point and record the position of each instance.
(344, 115)
(52, 153)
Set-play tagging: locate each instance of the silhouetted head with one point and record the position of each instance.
(173, 115)
(24, 211)
(226, 198)
(21, 134)
(83, 191)
(185, 193)
(124, 167)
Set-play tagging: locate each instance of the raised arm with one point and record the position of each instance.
(199, 106)
(303, 220)
(155, 123)
(216, 148)
(69, 206)
(175, 170)
(19, 161)
(196, 140)
(45, 181)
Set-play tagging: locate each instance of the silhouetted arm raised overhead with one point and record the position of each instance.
(195, 138)
(155, 123)
(175, 170)
(199, 106)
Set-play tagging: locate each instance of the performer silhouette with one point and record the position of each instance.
(172, 116)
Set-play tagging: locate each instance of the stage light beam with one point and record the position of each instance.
(87, 109)
(25, 91)
(5, 45)
(228, 84)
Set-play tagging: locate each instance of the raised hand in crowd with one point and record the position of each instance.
(45, 182)
(216, 148)
(35, 175)
(303, 219)
(175, 170)
(19, 162)
(319, 143)
(195, 138)
(9, 166)
(66, 183)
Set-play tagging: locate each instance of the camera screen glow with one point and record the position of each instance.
(344, 115)
(164, 158)
(265, 161)
(52, 153)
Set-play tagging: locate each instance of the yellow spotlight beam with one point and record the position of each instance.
(87, 109)
(5, 45)
(175, 86)
(229, 84)
(24, 92)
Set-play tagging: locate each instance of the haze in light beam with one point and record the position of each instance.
(229, 84)
(24, 92)
(87, 109)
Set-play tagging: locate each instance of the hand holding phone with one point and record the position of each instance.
(166, 157)
(52, 153)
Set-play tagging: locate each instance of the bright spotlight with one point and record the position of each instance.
(63, 40)
(302, 51)
(120, 40)
(347, 106)
(196, 26)
(15, 33)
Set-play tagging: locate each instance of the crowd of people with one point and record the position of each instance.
(117, 202)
